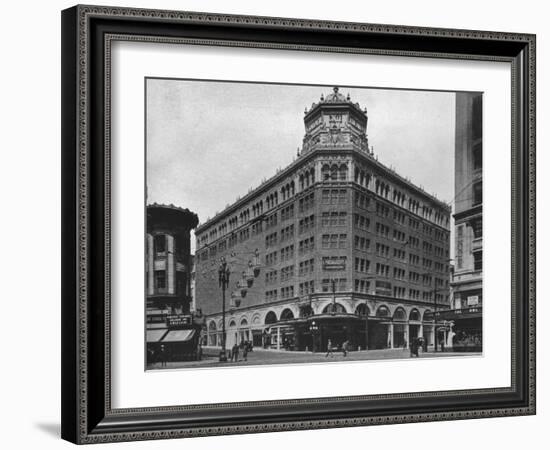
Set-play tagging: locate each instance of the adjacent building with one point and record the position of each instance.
(467, 301)
(335, 246)
(169, 325)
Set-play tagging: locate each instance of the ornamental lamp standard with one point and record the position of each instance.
(367, 313)
(223, 278)
(313, 328)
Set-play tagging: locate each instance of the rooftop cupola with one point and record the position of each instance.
(335, 122)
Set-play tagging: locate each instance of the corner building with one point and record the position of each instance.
(335, 246)
(167, 283)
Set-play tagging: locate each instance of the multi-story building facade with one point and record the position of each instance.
(167, 275)
(467, 301)
(335, 246)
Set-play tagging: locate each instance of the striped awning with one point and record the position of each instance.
(155, 335)
(179, 336)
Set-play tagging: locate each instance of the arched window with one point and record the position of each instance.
(414, 315)
(400, 315)
(270, 318)
(325, 172)
(343, 172)
(334, 172)
(244, 322)
(383, 311)
(334, 308)
(287, 314)
(362, 310)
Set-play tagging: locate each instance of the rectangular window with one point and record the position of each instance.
(160, 279)
(477, 193)
(160, 243)
(477, 156)
(477, 227)
(478, 260)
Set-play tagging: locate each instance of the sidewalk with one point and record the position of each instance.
(272, 356)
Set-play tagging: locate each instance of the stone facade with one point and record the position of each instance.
(331, 237)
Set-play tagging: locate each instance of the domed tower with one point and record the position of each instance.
(335, 121)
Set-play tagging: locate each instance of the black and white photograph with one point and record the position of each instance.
(298, 224)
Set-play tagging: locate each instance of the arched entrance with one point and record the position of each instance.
(415, 324)
(270, 319)
(244, 332)
(400, 338)
(379, 328)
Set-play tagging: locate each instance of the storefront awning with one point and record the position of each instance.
(159, 326)
(155, 335)
(179, 336)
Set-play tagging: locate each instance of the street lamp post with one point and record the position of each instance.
(367, 316)
(223, 278)
(313, 328)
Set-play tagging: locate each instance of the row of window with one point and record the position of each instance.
(337, 196)
(341, 285)
(287, 253)
(332, 241)
(306, 224)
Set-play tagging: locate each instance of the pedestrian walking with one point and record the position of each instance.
(236, 351)
(345, 348)
(245, 351)
(329, 349)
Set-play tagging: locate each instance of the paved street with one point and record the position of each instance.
(262, 357)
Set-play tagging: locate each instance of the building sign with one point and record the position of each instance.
(384, 286)
(177, 320)
(334, 263)
(472, 300)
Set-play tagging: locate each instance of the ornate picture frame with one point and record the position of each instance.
(88, 33)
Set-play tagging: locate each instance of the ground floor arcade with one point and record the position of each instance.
(308, 326)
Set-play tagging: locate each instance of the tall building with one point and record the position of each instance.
(167, 273)
(467, 302)
(335, 246)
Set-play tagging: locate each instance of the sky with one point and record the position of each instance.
(210, 142)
